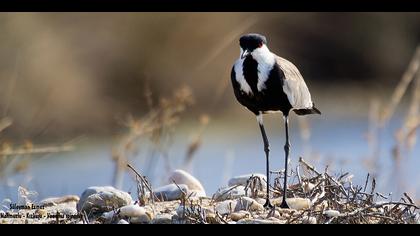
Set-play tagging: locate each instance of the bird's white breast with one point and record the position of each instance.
(266, 61)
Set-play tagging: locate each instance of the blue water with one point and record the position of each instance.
(230, 149)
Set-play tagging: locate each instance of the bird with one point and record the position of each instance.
(266, 83)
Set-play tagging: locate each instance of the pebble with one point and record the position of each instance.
(331, 213)
(243, 203)
(247, 203)
(132, 211)
(226, 207)
(299, 203)
(102, 199)
(235, 216)
(137, 214)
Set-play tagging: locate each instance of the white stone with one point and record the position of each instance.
(226, 207)
(298, 203)
(332, 213)
(103, 199)
(132, 211)
(183, 177)
(235, 216)
(247, 203)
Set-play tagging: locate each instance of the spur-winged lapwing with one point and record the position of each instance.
(264, 82)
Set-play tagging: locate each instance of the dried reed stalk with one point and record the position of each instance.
(401, 88)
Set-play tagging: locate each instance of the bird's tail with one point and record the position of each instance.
(302, 112)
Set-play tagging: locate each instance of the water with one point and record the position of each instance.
(228, 149)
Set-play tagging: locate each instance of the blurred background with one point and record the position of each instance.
(82, 94)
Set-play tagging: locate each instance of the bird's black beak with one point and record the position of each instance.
(244, 54)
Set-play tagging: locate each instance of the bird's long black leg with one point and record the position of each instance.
(266, 150)
(286, 159)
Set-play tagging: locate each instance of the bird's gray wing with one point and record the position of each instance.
(294, 86)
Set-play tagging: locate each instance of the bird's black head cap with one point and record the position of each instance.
(252, 41)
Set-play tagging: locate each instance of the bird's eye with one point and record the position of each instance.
(260, 45)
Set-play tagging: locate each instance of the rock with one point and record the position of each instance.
(170, 192)
(59, 200)
(226, 207)
(108, 217)
(229, 193)
(242, 180)
(103, 199)
(261, 221)
(182, 177)
(235, 216)
(331, 213)
(162, 219)
(243, 203)
(298, 203)
(137, 214)
(123, 222)
(132, 211)
(294, 203)
(247, 203)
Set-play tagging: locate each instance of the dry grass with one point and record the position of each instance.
(157, 126)
(381, 112)
(17, 158)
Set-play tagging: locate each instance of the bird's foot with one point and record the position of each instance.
(284, 205)
(267, 205)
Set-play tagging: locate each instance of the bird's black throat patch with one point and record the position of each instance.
(250, 72)
(272, 98)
